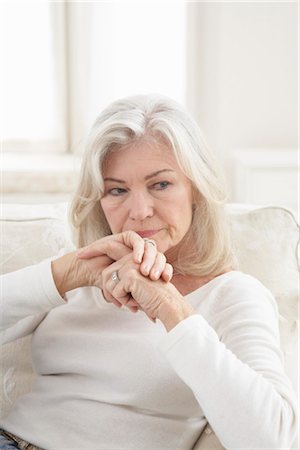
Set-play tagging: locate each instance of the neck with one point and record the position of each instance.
(187, 284)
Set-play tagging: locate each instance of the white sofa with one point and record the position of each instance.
(266, 241)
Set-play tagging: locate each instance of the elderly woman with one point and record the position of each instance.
(148, 331)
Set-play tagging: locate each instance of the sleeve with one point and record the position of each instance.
(235, 370)
(26, 296)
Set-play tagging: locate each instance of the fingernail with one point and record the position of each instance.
(156, 274)
(153, 319)
(139, 257)
(147, 269)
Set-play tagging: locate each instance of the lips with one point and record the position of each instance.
(147, 233)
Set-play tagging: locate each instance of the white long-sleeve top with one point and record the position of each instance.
(109, 379)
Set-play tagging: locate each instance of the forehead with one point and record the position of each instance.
(141, 156)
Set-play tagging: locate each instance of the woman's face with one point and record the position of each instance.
(146, 191)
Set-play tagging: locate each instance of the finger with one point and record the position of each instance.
(133, 303)
(110, 299)
(149, 258)
(112, 249)
(123, 287)
(135, 242)
(133, 309)
(158, 266)
(167, 273)
(108, 284)
(96, 248)
(153, 319)
(123, 298)
(115, 246)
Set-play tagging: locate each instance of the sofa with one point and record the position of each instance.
(266, 241)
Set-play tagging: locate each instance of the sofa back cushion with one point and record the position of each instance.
(29, 234)
(266, 241)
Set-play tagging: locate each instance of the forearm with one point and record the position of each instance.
(245, 408)
(67, 273)
(27, 292)
(174, 311)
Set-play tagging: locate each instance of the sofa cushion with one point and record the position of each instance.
(31, 233)
(266, 240)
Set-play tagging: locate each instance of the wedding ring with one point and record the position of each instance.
(150, 241)
(115, 276)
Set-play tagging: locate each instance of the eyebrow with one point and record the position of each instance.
(151, 175)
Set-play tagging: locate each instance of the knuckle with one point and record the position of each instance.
(106, 296)
(130, 263)
(105, 274)
(162, 257)
(132, 272)
(110, 244)
(131, 236)
(169, 267)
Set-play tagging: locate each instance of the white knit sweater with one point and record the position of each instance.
(109, 379)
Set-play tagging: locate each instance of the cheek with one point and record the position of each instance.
(184, 209)
(179, 220)
(112, 215)
(183, 217)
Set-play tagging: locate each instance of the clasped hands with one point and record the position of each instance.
(141, 281)
(130, 271)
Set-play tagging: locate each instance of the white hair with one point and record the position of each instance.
(206, 248)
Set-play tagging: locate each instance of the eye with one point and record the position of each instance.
(116, 192)
(161, 185)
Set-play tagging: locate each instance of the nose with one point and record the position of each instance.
(140, 206)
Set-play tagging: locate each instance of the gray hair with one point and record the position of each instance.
(206, 248)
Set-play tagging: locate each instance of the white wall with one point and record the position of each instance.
(243, 84)
(240, 71)
(120, 49)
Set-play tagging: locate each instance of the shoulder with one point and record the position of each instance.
(237, 282)
(236, 285)
(238, 296)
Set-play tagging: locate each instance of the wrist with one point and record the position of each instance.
(172, 312)
(66, 273)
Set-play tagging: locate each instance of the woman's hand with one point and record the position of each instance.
(85, 267)
(144, 251)
(154, 265)
(157, 298)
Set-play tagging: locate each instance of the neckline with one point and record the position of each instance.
(212, 282)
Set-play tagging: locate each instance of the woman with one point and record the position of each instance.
(204, 345)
